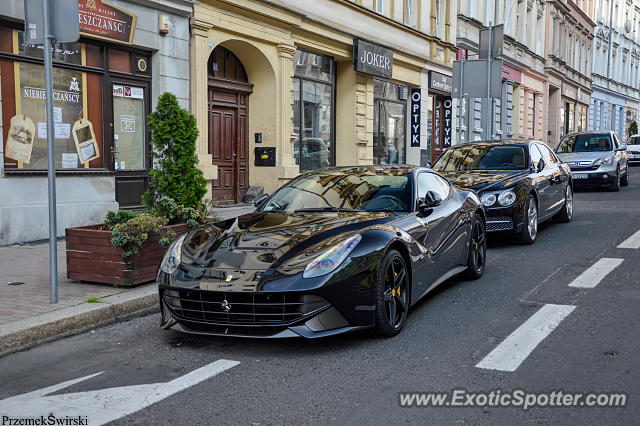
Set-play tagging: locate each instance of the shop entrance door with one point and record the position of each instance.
(130, 155)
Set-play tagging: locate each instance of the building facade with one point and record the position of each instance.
(569, 27)
(521, 110)
(284, 86)
(105, 85)
(616, 61)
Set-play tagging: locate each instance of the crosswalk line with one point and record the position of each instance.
(509, 354)
(633, 242)
(596, 272)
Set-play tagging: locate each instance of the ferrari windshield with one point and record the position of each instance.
(359, 189)
(585, 143)
(482, 157)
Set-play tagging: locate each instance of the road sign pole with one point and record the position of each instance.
(461, 99)
(48, 83)
(488, 126)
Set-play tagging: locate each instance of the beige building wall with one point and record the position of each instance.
(265, 35)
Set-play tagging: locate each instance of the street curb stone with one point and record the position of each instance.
(23, 334)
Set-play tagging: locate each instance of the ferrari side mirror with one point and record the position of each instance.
(258, 202)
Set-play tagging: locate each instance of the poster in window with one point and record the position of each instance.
(68, 107)
(20, 138)
(85, 141)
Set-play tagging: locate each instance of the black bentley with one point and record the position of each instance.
(331, 251)
(520, 183)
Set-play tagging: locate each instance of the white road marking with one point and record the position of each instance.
(104, 405)
(633, 242)
(596, 272)
(509, 354)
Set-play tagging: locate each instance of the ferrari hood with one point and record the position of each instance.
(480, 180)
(257, 241)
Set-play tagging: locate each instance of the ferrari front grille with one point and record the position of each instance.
(231, 308)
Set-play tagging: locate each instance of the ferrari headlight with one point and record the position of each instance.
(173, 256)
(506, 198)
(488, 199)
(331, 259)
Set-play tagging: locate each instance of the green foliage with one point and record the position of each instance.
(121, 216)
(176, 213)
(130, 236)
(93, 300)
(173, 136)
(633, 128)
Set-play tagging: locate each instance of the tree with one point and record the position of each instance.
(633, 128)
(174, 175)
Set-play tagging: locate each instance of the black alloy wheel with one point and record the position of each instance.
(477, 249)
(615, 186)
(625, 179)
(392, 302)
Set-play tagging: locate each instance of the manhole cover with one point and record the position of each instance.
(16, 283)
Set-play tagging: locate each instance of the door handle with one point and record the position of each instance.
(233, 154)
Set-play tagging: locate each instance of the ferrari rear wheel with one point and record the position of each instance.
(392, 295)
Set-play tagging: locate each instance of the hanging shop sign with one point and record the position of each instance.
(85, 139)
(20, 138)
(440, 83)
(100, 19)
(372, 59)
(416, 100)
(443, 116)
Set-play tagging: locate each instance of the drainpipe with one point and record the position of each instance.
(610, 39)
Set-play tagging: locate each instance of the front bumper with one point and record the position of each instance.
(505, 219)
(597, 177)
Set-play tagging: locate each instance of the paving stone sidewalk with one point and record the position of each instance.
(24, 278)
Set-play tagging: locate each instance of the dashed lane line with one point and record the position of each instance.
(509, 354)
(596, 273)
(633, 242)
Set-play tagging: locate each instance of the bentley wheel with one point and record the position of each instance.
(477, 249)
(392, 302)
(566, 214)
(530, 229)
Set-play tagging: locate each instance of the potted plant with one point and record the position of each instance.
(128, 247)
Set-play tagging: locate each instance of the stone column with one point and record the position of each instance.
(200, 52)
(285, 109)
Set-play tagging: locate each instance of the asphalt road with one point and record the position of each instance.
(356, 379)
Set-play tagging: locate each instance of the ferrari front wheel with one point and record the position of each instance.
(392, 295)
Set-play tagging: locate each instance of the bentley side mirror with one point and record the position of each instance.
(258, 202)
(428, 164)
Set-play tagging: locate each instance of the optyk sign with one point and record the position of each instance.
(372, 59)
(416, 98)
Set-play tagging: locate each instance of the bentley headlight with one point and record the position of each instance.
(329, 260)
(488, 199)
(506, 198)
(173, 256)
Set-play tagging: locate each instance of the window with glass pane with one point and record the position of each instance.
(313, 109)
(64, 52)
(389, 123)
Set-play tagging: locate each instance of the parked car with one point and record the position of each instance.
(633, 149)
(333, 250)
(596, 159)
(315, 153)
(521, 183)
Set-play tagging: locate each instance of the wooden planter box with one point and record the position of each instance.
(92, 257)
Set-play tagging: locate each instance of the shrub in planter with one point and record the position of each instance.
(130, 235)
(173, 138)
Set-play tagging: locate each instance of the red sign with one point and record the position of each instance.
(512, 74)
(102, 20)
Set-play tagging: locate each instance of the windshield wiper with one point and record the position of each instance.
(326, 209)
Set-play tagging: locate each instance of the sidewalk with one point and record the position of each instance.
(27, 317)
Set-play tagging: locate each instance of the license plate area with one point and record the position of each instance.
(580, 176)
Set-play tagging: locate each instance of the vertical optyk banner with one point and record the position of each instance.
(416, 101)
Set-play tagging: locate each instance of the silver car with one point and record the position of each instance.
(596, 159)
(633, 149)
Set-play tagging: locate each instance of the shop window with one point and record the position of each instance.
(93, 55)
(389, 122)
(70, 53)
(313, 110)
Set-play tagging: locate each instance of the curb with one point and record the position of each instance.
(29, 332)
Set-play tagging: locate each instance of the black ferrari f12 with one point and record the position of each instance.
(333, 250)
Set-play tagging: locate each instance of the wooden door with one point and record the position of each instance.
(229, 145)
